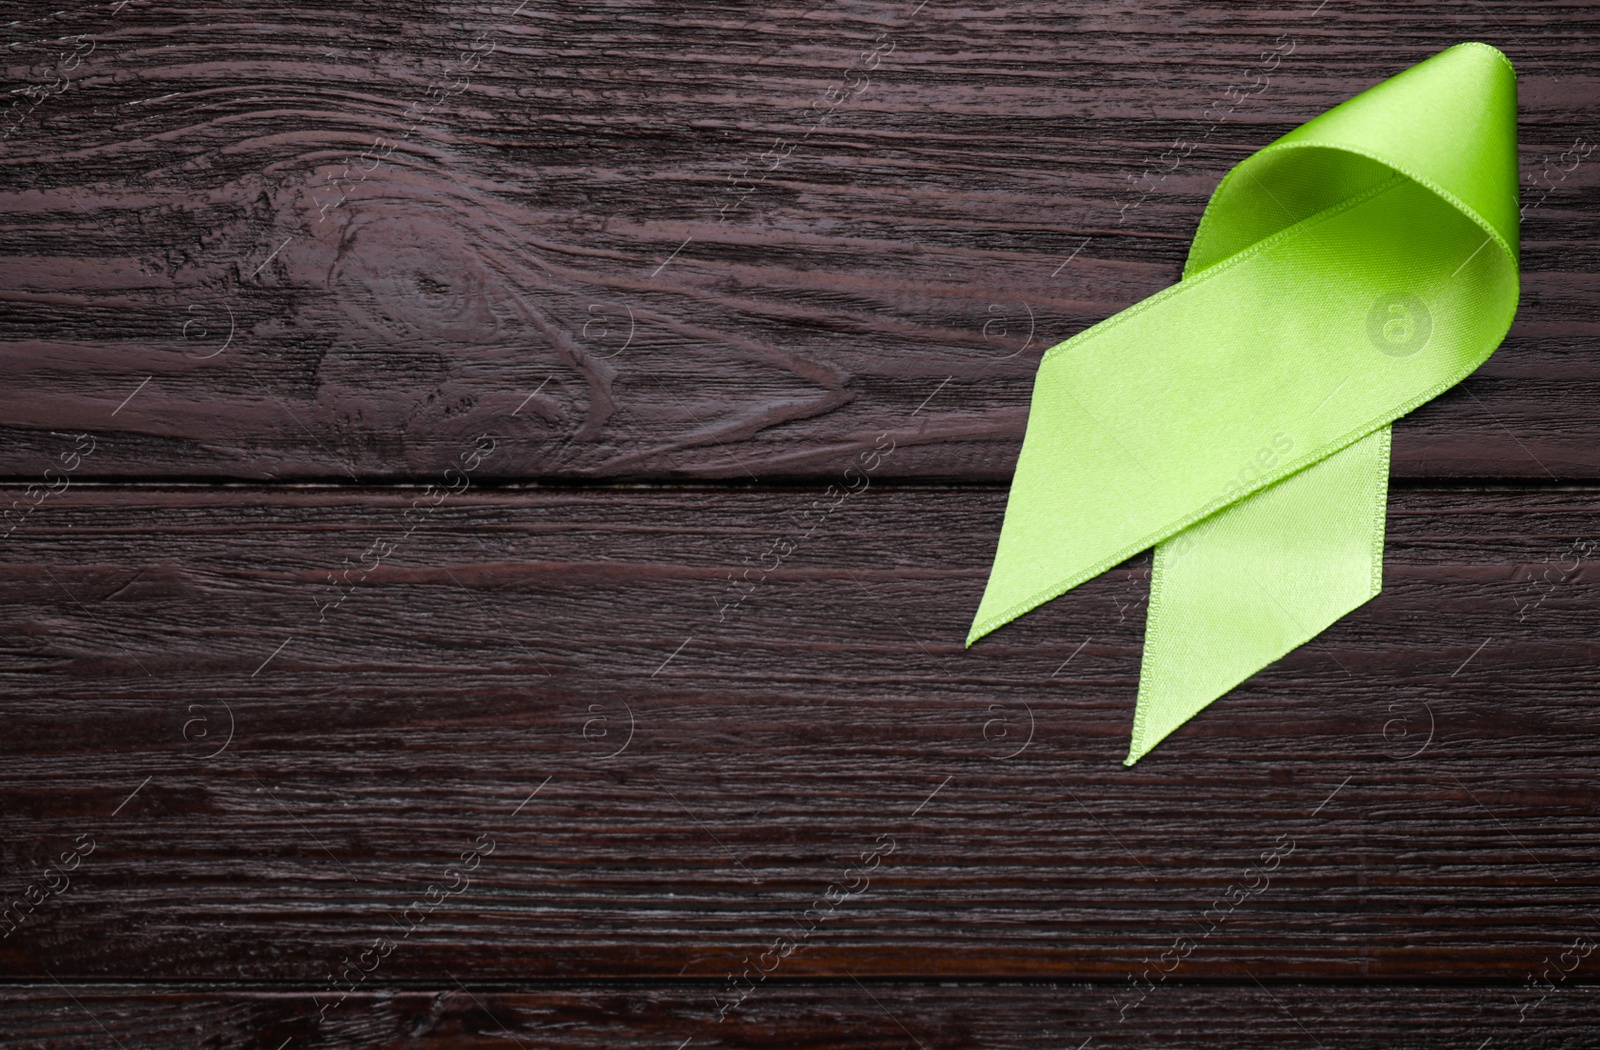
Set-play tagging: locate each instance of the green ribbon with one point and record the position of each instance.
(1238, 421)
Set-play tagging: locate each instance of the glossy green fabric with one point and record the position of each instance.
(1238, 421)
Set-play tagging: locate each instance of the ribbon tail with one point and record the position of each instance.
(1244, 587)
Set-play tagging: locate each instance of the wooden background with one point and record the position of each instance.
(428, 423)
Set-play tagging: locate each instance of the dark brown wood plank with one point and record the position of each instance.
(262, 796)
(576, 244)
(845, 1015)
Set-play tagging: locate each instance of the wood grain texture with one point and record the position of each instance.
(264, 795)
(653, 239)
(839, 1015)
(432, 612)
